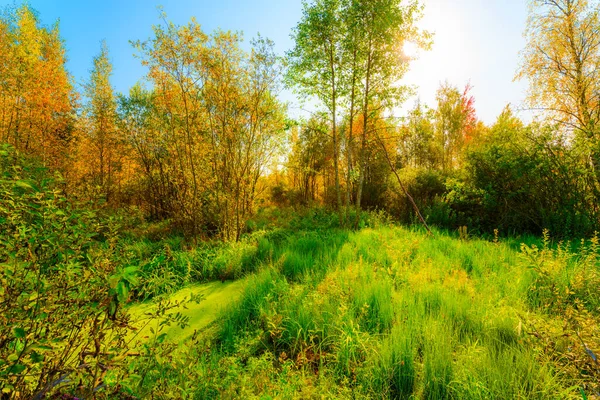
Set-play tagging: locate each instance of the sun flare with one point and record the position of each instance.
(410, 50)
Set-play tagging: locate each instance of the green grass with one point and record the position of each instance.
(386, 312)
(214, 298)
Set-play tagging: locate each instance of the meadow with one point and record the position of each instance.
(101, 304)
(385, 312)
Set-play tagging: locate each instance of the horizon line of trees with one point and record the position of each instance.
(207, 141)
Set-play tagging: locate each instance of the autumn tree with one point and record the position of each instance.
(245, 121)
(418, 147)
(140, 125)
(37, 99)
(348, 55)
(175, 58)
(100, 152)
(219, 117)
(455, 122)
(309, 159)
(379, 29)
(562, 64)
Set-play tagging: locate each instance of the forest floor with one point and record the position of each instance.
(390, 312)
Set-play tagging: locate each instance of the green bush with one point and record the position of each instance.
(62, 326)
(522, 180)
(426, 186)
(565, 285)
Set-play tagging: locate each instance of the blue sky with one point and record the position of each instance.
(476, 41)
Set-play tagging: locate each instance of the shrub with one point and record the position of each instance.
(524, 179)
(565, 285)
(426, 186)
(62, 326)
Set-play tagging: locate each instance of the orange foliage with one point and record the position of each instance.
(36, 92)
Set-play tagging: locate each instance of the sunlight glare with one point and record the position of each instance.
(411, 50)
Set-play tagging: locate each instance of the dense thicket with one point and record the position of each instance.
(61, 316)
(190, 148)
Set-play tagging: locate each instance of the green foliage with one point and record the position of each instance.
(426, 186)
(392, 373)
(394, 314)
(372, 303)
(61, 321)
(437, 360)
(523, 179)
(171, 263)
(267, 285)
(565, 285)
(382, 312)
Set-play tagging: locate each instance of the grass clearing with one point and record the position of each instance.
(390, 312)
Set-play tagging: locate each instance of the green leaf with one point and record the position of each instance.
(19, 333)
(24, 185)
(36, 357)
(122, 291)
(129, 274)
(131, 270)
(17, 369)
(161, 338)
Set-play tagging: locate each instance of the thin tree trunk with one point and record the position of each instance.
(363, 145)
(335, 138)
(350, 139)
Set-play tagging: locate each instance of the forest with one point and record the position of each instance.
(195, 238)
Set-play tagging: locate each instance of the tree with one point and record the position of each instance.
(418, 147)
(562, 63)
(245, 120)
(74, 329)
(100, 148)
(140, 125)
(315, 65)
(348, 54)
(220, 121)
(379, 30)
(176, 57)
(455, 121)
(36, 93)
(523, 178)
(308, 160)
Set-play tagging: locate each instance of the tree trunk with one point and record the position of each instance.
(350, 138)
(336, 149)
(363, 144)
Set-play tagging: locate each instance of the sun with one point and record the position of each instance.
(411, 50)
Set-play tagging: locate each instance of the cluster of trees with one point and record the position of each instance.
(190, 148)
(206, 133)
(430, 141)
(348, 56)
(200, 141)
(37, 97)
(510, 176)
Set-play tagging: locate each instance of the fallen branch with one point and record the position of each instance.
(410, 198)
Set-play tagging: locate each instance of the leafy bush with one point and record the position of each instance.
(565, 284)
(523, 179)
(426, 186)
(61, 322)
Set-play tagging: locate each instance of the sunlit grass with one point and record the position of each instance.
(385, 312)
